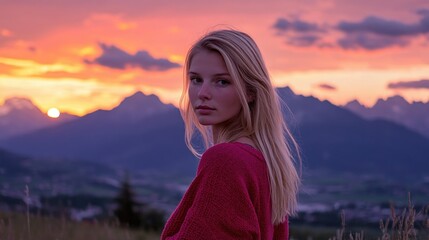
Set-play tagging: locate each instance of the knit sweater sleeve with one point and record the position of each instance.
(218, 204)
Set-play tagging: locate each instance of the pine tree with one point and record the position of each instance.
(127, 207)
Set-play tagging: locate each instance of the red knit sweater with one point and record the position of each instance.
(228, 199)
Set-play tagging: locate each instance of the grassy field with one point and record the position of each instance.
(408, 224)
(14, 226)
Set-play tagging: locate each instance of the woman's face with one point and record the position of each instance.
(212, 92)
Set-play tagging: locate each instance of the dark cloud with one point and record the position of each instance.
(117, 58)
(303, 40)
(285, 25)
(371, 33)
(298, 32)
(423, 12)
(384, 27)
(327, 87)
(376, 33)
(420, 84)
(369, 41)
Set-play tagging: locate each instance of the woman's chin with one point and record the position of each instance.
(205, 123)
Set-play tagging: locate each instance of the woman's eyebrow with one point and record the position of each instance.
(221, 74)
(216, 75)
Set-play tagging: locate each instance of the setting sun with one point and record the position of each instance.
(53, 112)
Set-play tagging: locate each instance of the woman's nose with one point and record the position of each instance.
(204, 91)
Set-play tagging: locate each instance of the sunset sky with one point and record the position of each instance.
(79, 56)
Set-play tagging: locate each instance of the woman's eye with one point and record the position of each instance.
(223, 82)
(195, 80)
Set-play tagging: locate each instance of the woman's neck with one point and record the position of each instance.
(215, 135)
(246, 140)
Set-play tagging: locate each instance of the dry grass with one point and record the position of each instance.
(340, 233)
(398, 227)
(15, 226)
(406, 225)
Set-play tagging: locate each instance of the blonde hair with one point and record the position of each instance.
(261, 119)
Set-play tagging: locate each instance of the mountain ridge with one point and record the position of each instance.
(20, 116)
(120, 136)
(331, 138)
(414, 115)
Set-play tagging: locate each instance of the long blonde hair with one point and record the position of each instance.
(261, 119)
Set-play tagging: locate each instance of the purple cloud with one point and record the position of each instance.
(369, 41)
(327, 87)
(420, 84)
(384, 27)
(423, 12)
(298, 32)
(284, 25)
(376, 33)
(371, 33)
(117, 58)
(303, 40)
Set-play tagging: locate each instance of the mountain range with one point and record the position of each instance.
(140, 132)
(338, 140)
(20, 116)
(413, 115)
(144, 133)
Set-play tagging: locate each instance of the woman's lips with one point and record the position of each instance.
(204, 107)
(204, 110)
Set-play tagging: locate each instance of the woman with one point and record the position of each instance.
(246, 184)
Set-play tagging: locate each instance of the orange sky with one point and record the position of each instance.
(52, 51)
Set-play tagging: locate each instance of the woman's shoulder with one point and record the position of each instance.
(233, 155)
(232, 149)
